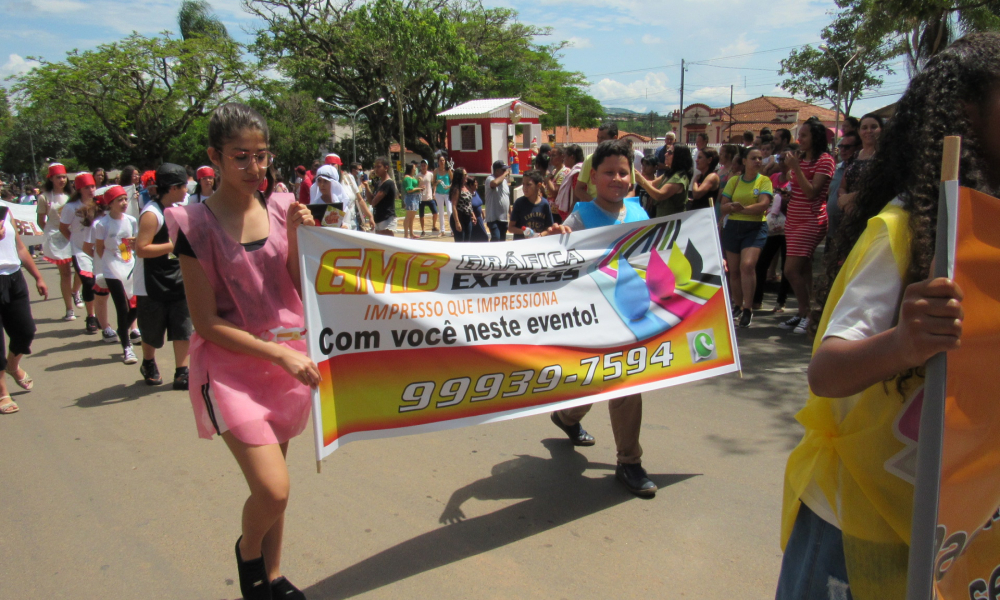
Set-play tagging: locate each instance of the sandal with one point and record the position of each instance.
(8, 408)
(25, 383)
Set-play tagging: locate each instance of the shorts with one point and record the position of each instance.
(387, 225)
(411, 201)
(740, 235)
(157, 317)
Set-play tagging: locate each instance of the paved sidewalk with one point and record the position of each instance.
(108, 493)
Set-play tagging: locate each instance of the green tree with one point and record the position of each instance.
(921, 28)
(195, 17)
(297, 127)
(145, 92)
(433, 54)
(812, 73)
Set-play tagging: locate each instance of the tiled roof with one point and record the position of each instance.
(582, 136)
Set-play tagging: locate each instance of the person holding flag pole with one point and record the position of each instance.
(849, 484)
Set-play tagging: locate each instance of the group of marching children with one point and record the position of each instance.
(129, 259)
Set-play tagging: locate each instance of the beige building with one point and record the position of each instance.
(727, 126)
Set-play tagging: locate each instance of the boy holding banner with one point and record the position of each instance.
(611, 177)
(849, 485)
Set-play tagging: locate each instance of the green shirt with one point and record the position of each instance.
(748, 193)
(409, 183)
(676, 203)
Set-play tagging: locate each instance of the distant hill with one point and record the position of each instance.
(620, 111)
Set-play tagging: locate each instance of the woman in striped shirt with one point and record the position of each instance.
(810, 172)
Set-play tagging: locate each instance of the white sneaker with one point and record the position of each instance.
(802, 327)
(130, 358)
(790, 323)
(109, 336)
(77, 299)
(70, 315)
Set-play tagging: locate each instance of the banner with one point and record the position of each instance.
(25, 219)
(968, 534)
(414, 336)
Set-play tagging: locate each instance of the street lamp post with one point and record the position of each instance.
(354, 136)
(840, 86)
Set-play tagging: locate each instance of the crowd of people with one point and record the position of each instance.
(207, 260)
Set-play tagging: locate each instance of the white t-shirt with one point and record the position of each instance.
(10, 262)
(118, 236)
(78, 232)
(427, 180)
(868, 306)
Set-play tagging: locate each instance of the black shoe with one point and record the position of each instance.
(282, 589)
(135, 337)
(634, 478)
(737, 311)
(745, 318)
(92, 325)
(577, 434)
(150, 372)
(253, 577)
(181, 378)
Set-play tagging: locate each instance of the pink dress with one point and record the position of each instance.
(257, 401)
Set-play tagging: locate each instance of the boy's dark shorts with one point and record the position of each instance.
(157, 318)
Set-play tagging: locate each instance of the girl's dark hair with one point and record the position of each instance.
(125, 177)
(197, 186)
(542, 162)
(49, 186)
(730, 150)
(457, 183)
(817, 132)
(878, 119)
(409, 170)
(907, 160)
(682, 163)
(574, 151)
(713, 161)
(103, 173)
(228, 121)
(610, 148)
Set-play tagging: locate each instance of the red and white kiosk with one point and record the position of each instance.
(478, 132)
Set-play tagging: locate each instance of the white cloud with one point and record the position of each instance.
(651, 39)
(579, 42)
(650, 90)
(739, 46)
(16, 65)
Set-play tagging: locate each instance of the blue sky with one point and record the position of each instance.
(630, 50)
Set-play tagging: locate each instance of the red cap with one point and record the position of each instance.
(56, 169)
(148, 178)
(332, 159)
(204, 172)
(112, 192)
(83, 180)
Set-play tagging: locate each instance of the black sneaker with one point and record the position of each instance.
(135, 337)
(150, 372)
(745, 318)
(181, 378)
(737, 311)
(283, 589)
(577, 434)
(634, 478)
(92, 325)
(790, 323)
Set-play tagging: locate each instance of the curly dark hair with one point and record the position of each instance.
(817, 132)
(907, 161)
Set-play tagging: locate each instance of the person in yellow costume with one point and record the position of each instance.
(848, 494)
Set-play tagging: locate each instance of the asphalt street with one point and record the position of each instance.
(107, 492)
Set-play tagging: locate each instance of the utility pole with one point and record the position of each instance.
(680, 126)
(731, 107)
(567, 123)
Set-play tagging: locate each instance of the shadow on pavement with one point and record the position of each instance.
(69, 347)
(556, 492)
(119, 393)
(58, 333)
(90, 361)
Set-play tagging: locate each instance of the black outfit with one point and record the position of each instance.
(703, 202)
(15, 315)
(386, 208)
(164, 309)
(87, 289)
(183, 246)
(773, 245)
(463, 212)
(525, 213)
(645, 200)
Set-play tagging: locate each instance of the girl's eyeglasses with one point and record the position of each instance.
(263, 159)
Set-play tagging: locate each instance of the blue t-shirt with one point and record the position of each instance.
(525, 213)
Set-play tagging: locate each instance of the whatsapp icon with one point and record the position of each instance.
(702, 345)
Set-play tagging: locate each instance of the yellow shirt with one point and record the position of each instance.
(748, 193)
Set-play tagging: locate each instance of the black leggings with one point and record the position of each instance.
(431, 204)
(87, 291)
(15, 316)
(125, 312)
(773, 245)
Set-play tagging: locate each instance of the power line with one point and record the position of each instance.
(701, 62)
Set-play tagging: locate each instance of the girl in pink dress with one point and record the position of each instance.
(250, 378)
